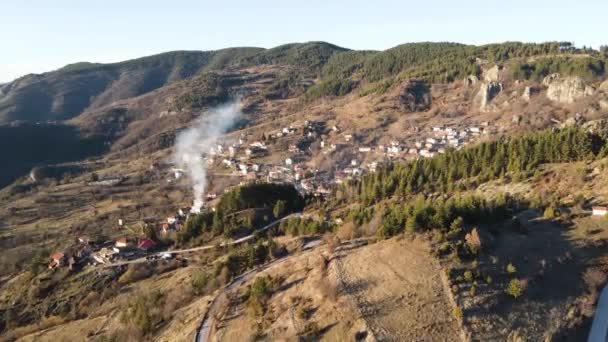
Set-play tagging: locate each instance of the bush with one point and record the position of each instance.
(260, 292)
(511, 269)
(144, 312)
(549, 213)
(458, 314)
(468, 276)
(515, 288)
(200, 281)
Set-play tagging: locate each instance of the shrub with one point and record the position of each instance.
(511, 269)
(458, 314)
(488, 280)
(549, 212)
(199, 282)
(468, 276)
(515, 288)
(260, 292)
(144, 312)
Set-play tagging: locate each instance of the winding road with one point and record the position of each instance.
(206, 247)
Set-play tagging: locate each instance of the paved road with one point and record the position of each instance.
(206, 247)
(599, 329)
(204, 332)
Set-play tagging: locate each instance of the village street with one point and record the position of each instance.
(201, 248)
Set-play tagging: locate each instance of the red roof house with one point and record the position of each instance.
(146, 244)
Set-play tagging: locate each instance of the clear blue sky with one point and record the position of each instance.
(41, 35)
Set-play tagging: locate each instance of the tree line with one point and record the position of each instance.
(459, 169)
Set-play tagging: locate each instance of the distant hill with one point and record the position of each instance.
(139, 104)
(65, 93)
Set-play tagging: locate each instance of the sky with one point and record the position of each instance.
(41, 35)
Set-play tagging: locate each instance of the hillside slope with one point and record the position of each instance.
(65, 93)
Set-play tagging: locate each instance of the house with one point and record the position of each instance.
(85, 240)
(418, 144)
(121, 242)
(228, 162)
(475, 129)
(258, 145)
(231, 151)
(437, 129)
(348, 137)
(293, 148)
(365, 149)
(394, 149)
(600, 210)
(322, 143)
(171, 219)
(183, 212)
(120, 222)
(412, 151)
(431, 140)
(288, 161)
(166, 228)
(58, 259)
(146, 244)
(354, 162)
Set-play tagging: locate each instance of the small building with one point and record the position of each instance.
(288, 161)
(171, 219)
(58, 259)
(354, 162)
(121, 242)
(85, 240)
(600, 210)
(146, 244)
(365, 149)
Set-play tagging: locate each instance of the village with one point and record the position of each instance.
(284, 156)
(255, 160)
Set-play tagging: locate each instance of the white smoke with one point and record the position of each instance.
(198, 140)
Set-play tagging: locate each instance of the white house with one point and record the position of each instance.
(365, 149)
(288, 161)
(354, 162)
(600, 210)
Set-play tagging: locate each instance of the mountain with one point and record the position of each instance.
(65, 93)
(458, 175)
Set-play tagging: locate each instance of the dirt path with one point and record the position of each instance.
(397, 289)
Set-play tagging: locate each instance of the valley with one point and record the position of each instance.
(429, 192)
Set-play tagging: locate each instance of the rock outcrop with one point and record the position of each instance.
(492, 74)
(471, 80)
(414, 95)
(549, 79)
(487, 92)
(604, 86)
(566, 89)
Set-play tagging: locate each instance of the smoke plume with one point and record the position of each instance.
(198, 140)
